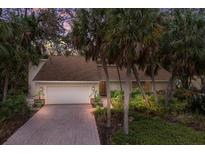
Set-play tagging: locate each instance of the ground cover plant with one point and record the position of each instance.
(153, 122)
(153, 130)
(14, 112)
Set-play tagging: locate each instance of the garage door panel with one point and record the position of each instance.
(68, 95)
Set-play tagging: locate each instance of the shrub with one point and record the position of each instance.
(178, 106)
(183, 94)
(38, 103)
(161, 92)
(153, 105)
(197, 103)
(135, 92)
(137, 102)
(117, 100)
(14, 106)
(100, 111)
(116, 93)
(97, 101)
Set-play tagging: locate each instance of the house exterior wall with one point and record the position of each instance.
(33, 70)
(147, 85)
(161, 85)
(196, 82)
(39, 90)
(44, 86)
(116, 85)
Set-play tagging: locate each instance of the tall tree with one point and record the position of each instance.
(128, 36)
(182, 44)
(6, 33)
(150, 59)
(88, 37)
(22, 41)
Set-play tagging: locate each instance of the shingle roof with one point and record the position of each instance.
(75, 68)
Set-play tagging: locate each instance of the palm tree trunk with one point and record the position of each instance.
(139, 84)
(108, 94)
(118, 72)
(126, 101)
(169, 91)
(5, 90)
(154, 86)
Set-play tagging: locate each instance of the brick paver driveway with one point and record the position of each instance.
(58, 124)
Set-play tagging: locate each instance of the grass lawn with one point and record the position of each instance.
(153, 130)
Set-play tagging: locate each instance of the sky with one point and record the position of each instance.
(64, 14)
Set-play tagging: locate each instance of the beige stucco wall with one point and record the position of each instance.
(33, 70)
(116, 86)
(196, 82)
(160, 85)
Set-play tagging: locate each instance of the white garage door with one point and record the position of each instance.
(68, 95)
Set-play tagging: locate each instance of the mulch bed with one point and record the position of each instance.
(105, 133)
(9, 126)
(189, 122)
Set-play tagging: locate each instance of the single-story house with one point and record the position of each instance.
(72, 80)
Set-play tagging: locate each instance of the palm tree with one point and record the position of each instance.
(21, 42)
(119, 76)
(151, 70)
(6, 33)
(128, 35)
(182, 44)
(88, 37)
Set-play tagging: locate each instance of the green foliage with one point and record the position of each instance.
(183, 94)
(178, 106)
(138, 102)
(135, 92)
(182, 46)
(186, 100)
(147, 130)
(14, 106)
(197, 103)
(116, 93)
(100, 111)
(23, 39)
(97, 101)
(183, 102)
(117, 100)
(97, 98)
(38, 103)
(153, 105)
